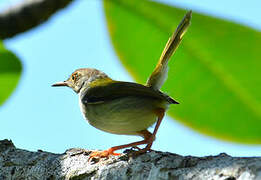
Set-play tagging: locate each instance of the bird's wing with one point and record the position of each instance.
(107, 91)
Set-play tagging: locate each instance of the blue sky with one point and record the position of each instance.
(38, 116)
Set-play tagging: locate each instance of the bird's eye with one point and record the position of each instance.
(74, 76)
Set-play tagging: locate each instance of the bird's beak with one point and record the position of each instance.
(64, 83)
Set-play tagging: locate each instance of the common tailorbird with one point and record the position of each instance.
(124, 107)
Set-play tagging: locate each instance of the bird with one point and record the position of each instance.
(126, 108)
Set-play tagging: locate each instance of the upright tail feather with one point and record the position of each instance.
(159, 75)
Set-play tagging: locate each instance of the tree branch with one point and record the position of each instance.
(28, 14)
(73, 164)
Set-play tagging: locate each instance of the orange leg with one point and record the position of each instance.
(160, 113)
(148, 139)
(145, 133)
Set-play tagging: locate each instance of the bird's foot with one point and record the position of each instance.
(103, 154)
(142, 151)
(136, 151)
(135, 148)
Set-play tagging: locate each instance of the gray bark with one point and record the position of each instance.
(73, 164)
(28, 14)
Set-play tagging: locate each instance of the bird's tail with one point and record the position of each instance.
(159, 75)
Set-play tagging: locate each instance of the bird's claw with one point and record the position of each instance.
(136, 148)
(138, 151)
(103, 154)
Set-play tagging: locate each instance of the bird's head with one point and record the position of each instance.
(81, 78)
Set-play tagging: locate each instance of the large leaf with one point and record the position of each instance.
(215, 74)
(10, 71)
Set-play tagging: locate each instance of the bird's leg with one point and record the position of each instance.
(160, 113)
(100, 154)
(148, 139)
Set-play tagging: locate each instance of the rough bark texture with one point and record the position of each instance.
(73, 164)
(28, 14)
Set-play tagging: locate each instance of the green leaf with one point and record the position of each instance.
(215, 73)
(10, 71)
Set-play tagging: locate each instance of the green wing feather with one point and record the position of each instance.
(102, 91)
